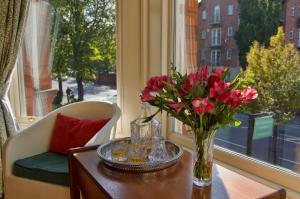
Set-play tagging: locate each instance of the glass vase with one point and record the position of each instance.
(203, 157)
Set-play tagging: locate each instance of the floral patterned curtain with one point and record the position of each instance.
(12, 18)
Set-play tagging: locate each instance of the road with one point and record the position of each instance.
(91, 91)
(287, 149)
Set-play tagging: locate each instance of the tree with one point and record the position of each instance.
(259, 20)
(86, 24)
(275, 71)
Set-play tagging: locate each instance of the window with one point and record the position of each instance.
(230, 10)
(51, 73)
(229, 31)
(293, 11)
(291, 35)
(229, 54)
(216, 58)
(203, 34)
(217, 14)
(216, 37)
(277, 153)
(204, 14)
(203, 57)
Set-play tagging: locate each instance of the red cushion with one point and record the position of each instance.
(71, 132)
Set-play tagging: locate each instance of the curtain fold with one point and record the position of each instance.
(12, 20)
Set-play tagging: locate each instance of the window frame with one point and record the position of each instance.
(291, 35)
(215, 57)
(203, 15)
(267, 173)
(229, 31)
(217, 14)
(216, 36)
(293, 11)
(203, 34)
(229, 53)
(230, 9)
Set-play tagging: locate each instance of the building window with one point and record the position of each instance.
(215, 57)
(230, 10)
(293, 11)
(216, 37)
(203, 57)
(203, 34)
(217, 14)
(229, 31)
(204, 14)
(291, 35)
(229, 54)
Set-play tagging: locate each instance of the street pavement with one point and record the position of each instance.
(287, 153)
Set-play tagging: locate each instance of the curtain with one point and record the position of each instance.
(12, 18)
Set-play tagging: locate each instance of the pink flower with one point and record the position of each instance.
(235, 99)
(194, 78)
(177, 106)
(220, 91)
(157, 83)
(249, 94)
(202, 105)
(146, 96)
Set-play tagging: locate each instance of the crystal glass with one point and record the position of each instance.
(159, 152)
(119, 151)
(203, 156)
(142, 132)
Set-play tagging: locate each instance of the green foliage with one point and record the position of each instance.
(85, 42)
(259, 20)
(275, 72)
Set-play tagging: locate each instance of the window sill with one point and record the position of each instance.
(255, 169)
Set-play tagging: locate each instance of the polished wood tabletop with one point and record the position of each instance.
(94, 180)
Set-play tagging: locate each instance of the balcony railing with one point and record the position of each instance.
(217, 45)
(215, 21)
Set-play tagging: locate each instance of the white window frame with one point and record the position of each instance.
(229, 31)
(291, 34)
(253, 168)
(203, 14)
(215, 59)
(230, 9)
(217, 14)
(293, 11)
(216, 36)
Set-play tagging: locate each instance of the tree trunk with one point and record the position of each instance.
(80, 88)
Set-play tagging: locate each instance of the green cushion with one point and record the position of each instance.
(46, 167)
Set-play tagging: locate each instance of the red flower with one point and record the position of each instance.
(204, 73)
(146, 96)
(215, 76)
(177, 106)
(220, 91)
(235, 99)
(249, 94)
(202, 105)
(157, 83)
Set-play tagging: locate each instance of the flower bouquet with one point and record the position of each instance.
(205, 102)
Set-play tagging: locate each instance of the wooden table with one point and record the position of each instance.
(94, 180)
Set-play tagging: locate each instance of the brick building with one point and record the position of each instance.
(218, 22)
(291, 21)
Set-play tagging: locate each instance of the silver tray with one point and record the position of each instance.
(174, 151)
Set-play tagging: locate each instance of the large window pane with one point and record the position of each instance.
(68, 54)
(272, 137)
